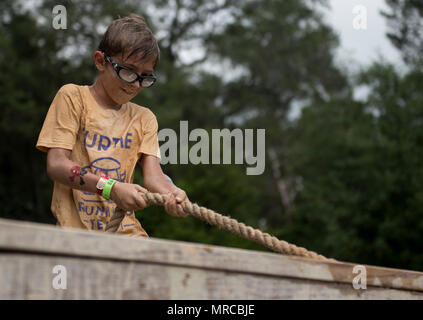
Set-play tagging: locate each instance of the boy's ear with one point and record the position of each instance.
(99, 61)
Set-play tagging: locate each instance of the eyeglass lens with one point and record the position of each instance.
(130, 76)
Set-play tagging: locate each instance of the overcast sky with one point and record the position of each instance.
(361, 46)
(358, 48)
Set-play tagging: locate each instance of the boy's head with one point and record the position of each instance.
(127, 43)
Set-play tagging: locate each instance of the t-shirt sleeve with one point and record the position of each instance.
(61, 125)
(150, 142)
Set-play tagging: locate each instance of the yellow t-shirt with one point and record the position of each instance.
(103, 141)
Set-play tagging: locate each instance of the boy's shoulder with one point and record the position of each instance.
(141, 110)
(70, 88)
(72, 91)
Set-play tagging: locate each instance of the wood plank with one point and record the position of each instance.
(47, 239)
(26, 276)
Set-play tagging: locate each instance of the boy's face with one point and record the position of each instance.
(118, 90)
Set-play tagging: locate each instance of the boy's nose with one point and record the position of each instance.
(136, 84)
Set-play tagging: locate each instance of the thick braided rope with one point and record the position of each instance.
(225, 223)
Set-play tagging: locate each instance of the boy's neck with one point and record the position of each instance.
(101, 97)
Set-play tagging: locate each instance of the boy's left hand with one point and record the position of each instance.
(173, 204)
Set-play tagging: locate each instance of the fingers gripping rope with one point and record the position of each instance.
(225, 223)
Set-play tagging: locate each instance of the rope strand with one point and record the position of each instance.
(226, 223)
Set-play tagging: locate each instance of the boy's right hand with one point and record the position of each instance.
(127, 196)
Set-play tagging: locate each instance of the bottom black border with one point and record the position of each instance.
(209, 309)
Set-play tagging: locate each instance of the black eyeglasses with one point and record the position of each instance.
(129, 75)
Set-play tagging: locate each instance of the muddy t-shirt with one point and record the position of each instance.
(103, 141)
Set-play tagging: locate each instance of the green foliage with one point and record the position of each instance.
(362, 187)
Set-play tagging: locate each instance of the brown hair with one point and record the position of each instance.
(128, 36)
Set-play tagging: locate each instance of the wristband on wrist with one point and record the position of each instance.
(100, 185)
(108, 188)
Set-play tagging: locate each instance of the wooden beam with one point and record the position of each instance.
(23, 243)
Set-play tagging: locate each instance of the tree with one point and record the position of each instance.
(357, 163)
(361, 192)
(405, 19)
(285, 53)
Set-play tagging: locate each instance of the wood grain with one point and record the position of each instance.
(105, 266)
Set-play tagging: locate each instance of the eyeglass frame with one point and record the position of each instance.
(139, 77)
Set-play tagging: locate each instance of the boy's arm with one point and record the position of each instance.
(63, 170)
(156, 181)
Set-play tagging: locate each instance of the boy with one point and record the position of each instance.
(94, 137)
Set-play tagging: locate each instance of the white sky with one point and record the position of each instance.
(358, 48)
(361, 46)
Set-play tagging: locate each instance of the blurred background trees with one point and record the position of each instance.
(342, 178)
(406, 21)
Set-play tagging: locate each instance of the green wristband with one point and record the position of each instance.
(108, 188)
